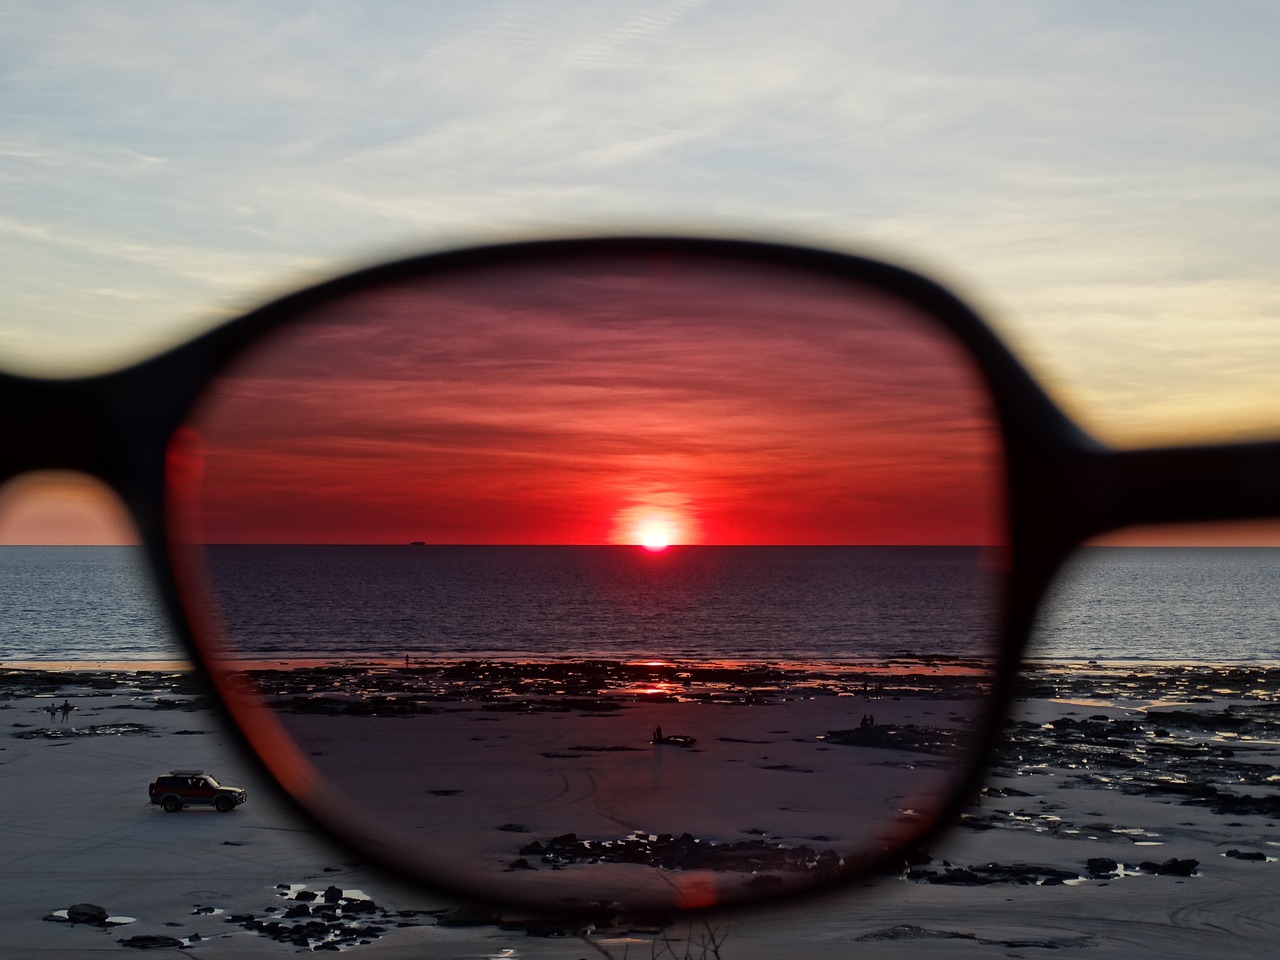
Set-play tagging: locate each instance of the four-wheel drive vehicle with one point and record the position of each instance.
(186, 788)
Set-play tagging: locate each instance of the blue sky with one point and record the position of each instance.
(1103, 180)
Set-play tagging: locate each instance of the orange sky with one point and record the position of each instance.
(588, 403)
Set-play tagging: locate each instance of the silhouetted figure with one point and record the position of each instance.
(66, 709)
(657, 734)
(52, 710)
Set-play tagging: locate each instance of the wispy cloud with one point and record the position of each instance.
(1084, 166)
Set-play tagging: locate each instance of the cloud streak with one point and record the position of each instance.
(563, 402)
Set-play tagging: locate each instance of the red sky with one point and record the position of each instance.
(569, 404)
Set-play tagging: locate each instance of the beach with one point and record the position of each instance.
(1132, 811)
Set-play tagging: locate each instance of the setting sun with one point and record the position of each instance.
(654, 534)
(658, 521)
(654, 540)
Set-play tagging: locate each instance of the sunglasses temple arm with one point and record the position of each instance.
(1180, 485)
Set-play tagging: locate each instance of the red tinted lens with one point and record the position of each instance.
(641, 579)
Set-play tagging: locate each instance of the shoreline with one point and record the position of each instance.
(1110, 785)
(1030, 662)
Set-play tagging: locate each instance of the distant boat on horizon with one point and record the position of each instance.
(417, 543)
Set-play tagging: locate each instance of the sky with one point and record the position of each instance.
(1102, 181)
(629, 399)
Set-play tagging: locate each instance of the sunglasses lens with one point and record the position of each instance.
(649, 580)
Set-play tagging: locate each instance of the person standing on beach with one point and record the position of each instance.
(66, 709)
(52, 710)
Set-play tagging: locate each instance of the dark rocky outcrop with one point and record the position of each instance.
(1246, 855)
(686, 852)
(87, 913)
(152, 941)
(1172, 867)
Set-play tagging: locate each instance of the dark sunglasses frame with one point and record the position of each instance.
(1062, 486)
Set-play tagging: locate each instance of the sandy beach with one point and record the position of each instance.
(1134, 811)
(544, 781)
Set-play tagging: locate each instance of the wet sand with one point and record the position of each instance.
(1132, 812)
(545, 780)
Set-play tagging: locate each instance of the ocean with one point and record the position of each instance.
(770, 604)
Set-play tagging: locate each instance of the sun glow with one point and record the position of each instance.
(655, 542)
(655, 534)
(654, 525)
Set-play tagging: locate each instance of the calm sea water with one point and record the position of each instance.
(79, 603)
(616, 602)
(752, 603)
